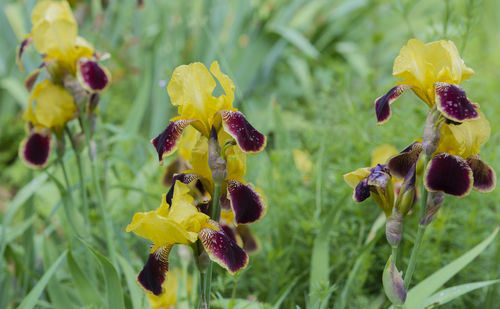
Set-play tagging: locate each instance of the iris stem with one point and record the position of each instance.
(215, 215)
(420, 233)
(67, 199)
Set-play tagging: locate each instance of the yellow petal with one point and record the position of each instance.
(168, 299)
(353, 178)
(225, 101)
(382, 153)
(199, 160)
(188, 140)
(54, 106)
(183, 211)
(236, 163)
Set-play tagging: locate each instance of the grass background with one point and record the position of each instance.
(306, 74)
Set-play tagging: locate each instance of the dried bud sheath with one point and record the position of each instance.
(394, 228)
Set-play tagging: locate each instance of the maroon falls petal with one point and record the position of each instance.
(154, 272)
(92, 76)
(485, 178)
(248, 206)
(166, 142)
(222, 249)
(382, 104)
(400, 164)
(247, 137)
(452, 102)
(449, 174)
(35, 150)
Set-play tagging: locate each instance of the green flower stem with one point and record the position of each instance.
(420, 233)
(67, 199)
(215, 215)
(81, 179)
(395, 255)
(108, 229)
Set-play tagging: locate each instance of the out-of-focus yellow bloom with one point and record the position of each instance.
(178, 223)
(50, 106)
(302, 161)
(382, 153)
(191, 89)
(464, 140)
(421, 65)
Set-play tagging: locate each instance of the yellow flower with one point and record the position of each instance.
(382, 153)
(178, 223)
(464, 140)
(421, 65)
(167, 299)
(50, 106)
(187, 143)
(191, 89)
(354, 178)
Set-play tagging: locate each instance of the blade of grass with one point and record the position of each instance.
(86, 290)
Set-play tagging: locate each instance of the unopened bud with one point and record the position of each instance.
(216, 163)
(394, 228)
(434, 201)
(393, 283)
(432, 132)
(78, 142)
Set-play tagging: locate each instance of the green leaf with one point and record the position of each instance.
(30, 300)
(432, 283)
(136, 294)
(297, 39)
(86, 290)
(450, 294)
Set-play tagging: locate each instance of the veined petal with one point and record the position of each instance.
(35, 150)
(247, 137)
(400, 164)
(222, 249)
(449, 174)
(92, 76)
(20, 50)
(248, 206)
(166, 142)
(484, 176)
(382, 104)
(452, 102)
(154, 272)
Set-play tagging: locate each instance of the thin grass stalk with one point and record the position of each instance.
(68, 197)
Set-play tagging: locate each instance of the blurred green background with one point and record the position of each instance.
(306, 74)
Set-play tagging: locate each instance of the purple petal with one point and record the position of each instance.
(154, 272)
(379, 176)
(184, 178)
(224, 203)
(484, 176)
(250, 242)
(382, 104)
(247, 137)
(452, 102)
(92, 76)
(222, 249)
(449, 174)
(230, 231)
(166, 142)
(362, 191)
(400, 164)
(248, 206)
(20, 50)
(35, 150)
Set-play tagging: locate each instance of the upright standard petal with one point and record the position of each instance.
(452, 102)
(449, 174)
(248, 206)
(222, 249)
(154, 271)
(167, 141)
(35, 150)
(400, 164)
(92, 76)
(484, 176)
(247, 137)
(383, 103)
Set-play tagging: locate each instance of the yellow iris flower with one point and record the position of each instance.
(421, 65)
(178, 223)
(50, 106)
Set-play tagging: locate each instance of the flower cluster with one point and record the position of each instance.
(209, 204)
(70, 76)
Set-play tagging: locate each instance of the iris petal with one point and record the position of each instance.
(452, 102)
(449, 174)
(400, 164)
(166, 142)
(184, 178)
(362, 191)
(222, 249)
(20, 50)
(154, 272)
(382, 104)
(484, 176)
(35, 150)
(92, 76)
(248, 206)
(247, 137)
(250, 242)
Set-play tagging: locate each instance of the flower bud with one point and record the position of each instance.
(215, 161)
(432, 132)
(434, 201)
(393, 283)
(394, 228)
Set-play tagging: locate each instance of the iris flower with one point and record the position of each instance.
(191, 89)
(73, 71)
